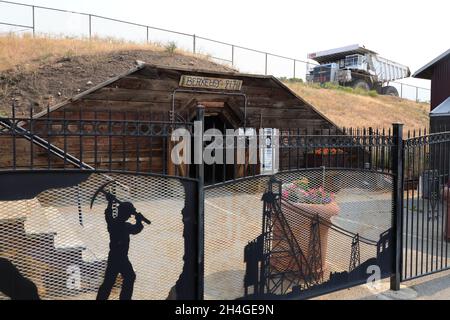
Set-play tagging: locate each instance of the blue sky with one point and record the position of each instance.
(410, 32)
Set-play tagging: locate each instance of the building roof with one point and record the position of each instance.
(441, 110)
(142, 66)
(426, 72)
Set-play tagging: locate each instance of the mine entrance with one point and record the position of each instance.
(223, 116)
(218, 172)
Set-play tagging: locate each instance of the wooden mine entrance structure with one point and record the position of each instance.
(125, 123)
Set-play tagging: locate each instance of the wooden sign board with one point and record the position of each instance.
(210, 83)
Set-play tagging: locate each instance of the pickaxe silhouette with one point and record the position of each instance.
(102, 190)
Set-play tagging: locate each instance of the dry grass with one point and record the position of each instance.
(351, 110)
(29, 52)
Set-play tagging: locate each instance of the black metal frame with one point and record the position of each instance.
(368, 150)
(426, 168)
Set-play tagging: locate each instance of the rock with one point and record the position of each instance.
(89, 83)
(139, 63)
(59, 94)
(65, 59)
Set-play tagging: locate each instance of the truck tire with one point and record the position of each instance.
(361, 84)
(389, 91)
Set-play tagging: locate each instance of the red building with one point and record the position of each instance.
(438, 71)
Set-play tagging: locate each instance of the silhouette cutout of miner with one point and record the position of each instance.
(119, 233)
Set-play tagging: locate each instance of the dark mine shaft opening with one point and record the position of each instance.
(215, 173)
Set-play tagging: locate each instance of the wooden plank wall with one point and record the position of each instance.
(146, 95)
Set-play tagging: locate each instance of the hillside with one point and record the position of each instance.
(352, 110)
(44, 71)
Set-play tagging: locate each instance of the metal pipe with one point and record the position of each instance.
(34, 20)
(200, 212)
(16, 25)
(397, 196)
(295, 62)
(232, 55)
(90, 26)
(266, 64)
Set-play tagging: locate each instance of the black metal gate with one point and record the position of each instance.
(426, 204)
(324, 222)
(329, 217)
(67, 189)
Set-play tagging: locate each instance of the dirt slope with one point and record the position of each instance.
(59, 69)
(44, 71)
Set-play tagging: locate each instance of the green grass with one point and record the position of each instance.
(357, 91)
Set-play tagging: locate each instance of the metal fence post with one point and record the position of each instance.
(232, 55)
(200, 174)
(371, 142)
(397, 170)
(307, 69)
(148, 32)
(90, 26)
(294, 67)
(34, 20)
(194, 44)
(266, 64)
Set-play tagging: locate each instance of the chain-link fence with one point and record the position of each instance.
(245, 257)
(54, 229)
(17, 17)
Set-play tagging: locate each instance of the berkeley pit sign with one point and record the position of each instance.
(210, 83)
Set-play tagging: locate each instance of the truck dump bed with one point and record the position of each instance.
(334, 55)
(384, 69)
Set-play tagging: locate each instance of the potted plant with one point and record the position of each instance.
(301, 205)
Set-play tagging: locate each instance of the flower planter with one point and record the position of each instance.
(300, 219)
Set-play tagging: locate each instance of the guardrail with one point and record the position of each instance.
(231, 54)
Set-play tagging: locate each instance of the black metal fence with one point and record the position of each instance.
(426, 203)
(409, 180)
(125, 142)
